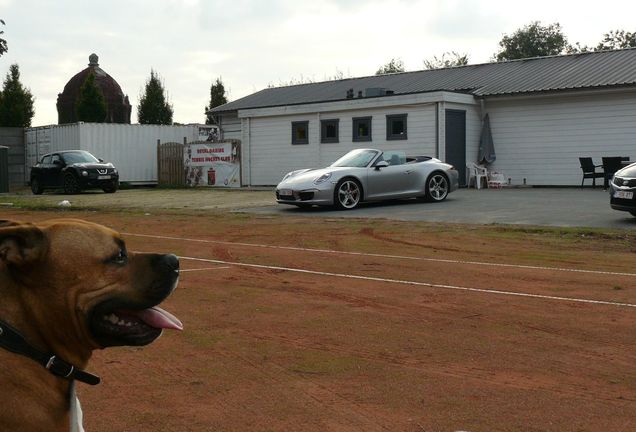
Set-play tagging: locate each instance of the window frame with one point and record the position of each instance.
(323, 128)
(390, 136)
(354, 125)
(294, 126)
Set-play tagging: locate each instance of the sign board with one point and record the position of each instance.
(212, 164)
(208, 133)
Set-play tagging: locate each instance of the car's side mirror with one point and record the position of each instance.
(101, 160)
(381, 164)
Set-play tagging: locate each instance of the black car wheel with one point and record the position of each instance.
(71, 185)
(437, 187)
(36, 187)
(347, 194)
(111, 188)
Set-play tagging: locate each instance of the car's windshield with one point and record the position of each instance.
(79, 157)
(356, 159)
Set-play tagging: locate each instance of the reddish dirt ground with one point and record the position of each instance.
(266, 348)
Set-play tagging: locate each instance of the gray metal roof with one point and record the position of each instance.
(541, 74)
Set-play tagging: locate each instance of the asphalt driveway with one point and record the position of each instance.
(567, 207)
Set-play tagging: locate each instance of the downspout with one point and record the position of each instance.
(437, 130)
(249, 149)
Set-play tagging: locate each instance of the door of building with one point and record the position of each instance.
(456, 142)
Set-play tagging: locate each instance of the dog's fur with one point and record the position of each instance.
(55, 278)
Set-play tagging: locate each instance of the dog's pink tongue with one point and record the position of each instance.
(159, 318)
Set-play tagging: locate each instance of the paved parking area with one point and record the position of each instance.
(568, 207)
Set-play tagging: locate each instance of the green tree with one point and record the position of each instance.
(16, 101)
(3, 43)
(533, 40)
(153, 107)
(453, 59)
(394, 66)
(617, 39)
(217, 98)
(91, 105)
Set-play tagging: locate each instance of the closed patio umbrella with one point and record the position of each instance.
(486, 153)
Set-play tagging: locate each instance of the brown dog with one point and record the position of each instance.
(68, 287)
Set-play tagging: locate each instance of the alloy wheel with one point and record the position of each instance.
(437, 188)
(348, 194)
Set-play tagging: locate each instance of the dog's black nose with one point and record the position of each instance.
(172, 261)
(169, 262)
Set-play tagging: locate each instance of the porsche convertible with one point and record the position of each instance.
(365, 175)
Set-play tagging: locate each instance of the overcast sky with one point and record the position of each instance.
(251, 44)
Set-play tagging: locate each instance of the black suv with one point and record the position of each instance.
(73, 171)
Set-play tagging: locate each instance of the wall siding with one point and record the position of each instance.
(230, 126)
(273, 155)
(541, 139)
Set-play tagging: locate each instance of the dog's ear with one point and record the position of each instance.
(20, 243)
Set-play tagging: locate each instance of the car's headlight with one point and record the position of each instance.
(322, 178)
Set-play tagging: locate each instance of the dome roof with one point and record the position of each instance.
(118, 106)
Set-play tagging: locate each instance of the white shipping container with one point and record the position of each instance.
(132, 148)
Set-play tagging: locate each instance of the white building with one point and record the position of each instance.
(544, 114)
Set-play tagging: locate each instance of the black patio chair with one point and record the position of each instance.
(589, 170)
(610, 166)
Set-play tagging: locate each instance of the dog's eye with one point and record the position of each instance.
(121, 258)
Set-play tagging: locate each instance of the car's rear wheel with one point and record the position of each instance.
(36, 186)
(348, 194)
(71, 185)
(437, 187)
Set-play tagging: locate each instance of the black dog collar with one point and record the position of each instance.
(13, 341)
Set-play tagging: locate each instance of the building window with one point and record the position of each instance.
(362, 129)
(300, 132)
(396, 127)
(329, 130)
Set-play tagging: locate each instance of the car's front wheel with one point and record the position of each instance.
(348, 194)
(437, 187)
(71, 185)
(111, 188)
(36, 186)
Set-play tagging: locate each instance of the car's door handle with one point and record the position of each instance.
(408, 172)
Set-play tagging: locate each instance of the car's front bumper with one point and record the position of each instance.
(305, 196)
(98, 181)
(623, 202)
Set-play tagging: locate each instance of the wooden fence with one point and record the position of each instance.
(170, 168)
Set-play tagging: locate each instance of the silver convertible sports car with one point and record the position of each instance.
(368, 175)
